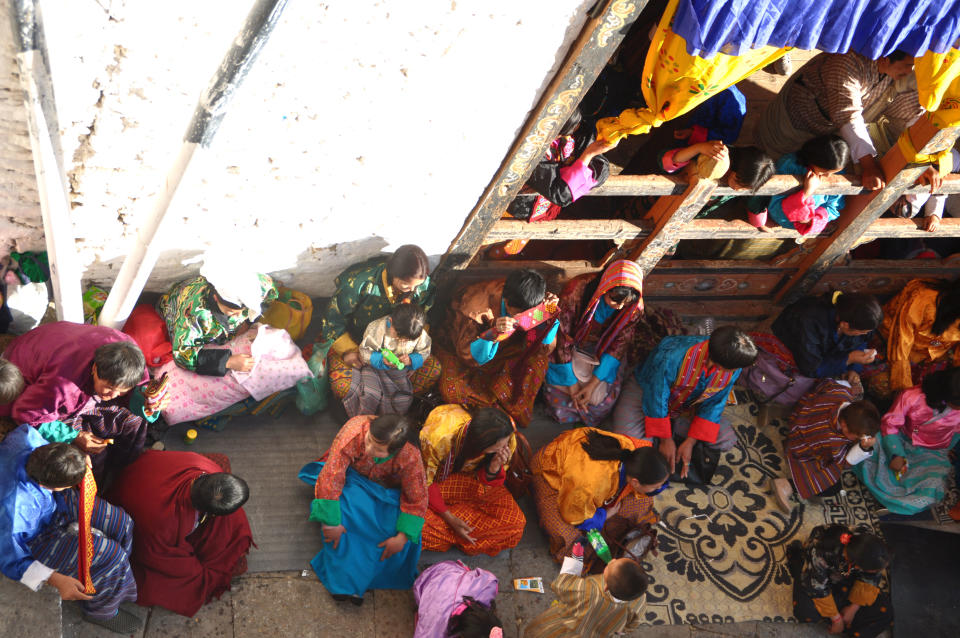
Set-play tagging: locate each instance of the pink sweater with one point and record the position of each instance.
(912, 418)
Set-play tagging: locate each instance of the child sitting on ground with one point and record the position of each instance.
(392, 349)
(454, 601)
(804, 211)
(830, 430)
(600, 605)
(836, 567)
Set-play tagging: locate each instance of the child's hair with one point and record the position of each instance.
(408, 262)
(572, 123)
(524, 288)
(219, 494)
(864, 549)
(626, 580)
(644, 463)
(731, 348)
(752, 166)
(408, 320)
(828, 152)
(486, 427)
(11, 381)
(625, 294)
(859, 310)
(475, 621)
(948, 304)
(393, 430)
(861, 417)
(942, 387)
(120, 364)
(897, 55)
(56, 465)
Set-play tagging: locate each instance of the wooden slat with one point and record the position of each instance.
(862, 210)
(659, 185)
(587, 56)
(623, 230)
(670, 215)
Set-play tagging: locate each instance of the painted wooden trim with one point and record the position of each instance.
(585, 60)
(623, 230)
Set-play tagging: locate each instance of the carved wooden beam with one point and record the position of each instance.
(861, 211)
(669, 215)
(622, 230)
(659, 185)
(588, 56)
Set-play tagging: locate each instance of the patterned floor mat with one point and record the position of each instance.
(722, 547)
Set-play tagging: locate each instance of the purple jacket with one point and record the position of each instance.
(441, 587)
(56, 360)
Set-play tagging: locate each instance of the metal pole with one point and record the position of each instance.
(47, 159)
(211, 108)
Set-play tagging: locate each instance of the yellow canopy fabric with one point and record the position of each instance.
(675, 82)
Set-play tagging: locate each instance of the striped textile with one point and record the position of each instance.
(815, 447)
(584, 609)
(693, 366)
(57, 548)
(620, 273)
(490, 509)
(374, 391)
(341, 375)
(560, 405)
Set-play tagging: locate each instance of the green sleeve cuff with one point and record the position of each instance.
(137, 404)
(57, 432)
(410, 525)
(325, 511)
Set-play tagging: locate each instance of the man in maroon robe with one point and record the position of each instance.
(191, 536)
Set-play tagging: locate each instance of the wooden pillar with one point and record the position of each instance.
(670, 215)
(601, 36)
(862, 210)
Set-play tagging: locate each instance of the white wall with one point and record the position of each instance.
(364, 125)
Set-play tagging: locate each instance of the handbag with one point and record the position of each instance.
(624, 541)
(292, 311)
(770, 384)
(703, 464)
(519, 473)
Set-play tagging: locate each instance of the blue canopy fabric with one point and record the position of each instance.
(873, 28)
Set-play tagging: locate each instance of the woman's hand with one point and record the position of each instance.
(459, 527)
(810, 183)
(332, 534)
(581, 398)
(352, 359)
(70, 588)
(501, 458)
(503, 325)
(836, 626)
(89, 443)
(668, 450)
(848, 613)
(867, 443)
(684, 454)
(714, 148)
(241, 362)
(861, 356)
(872, 177)
(393, 545)
(899, 464)
(613, 509)
(931, 224)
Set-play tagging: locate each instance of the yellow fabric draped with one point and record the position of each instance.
(439, 437)
(674, 82)
(938, 85)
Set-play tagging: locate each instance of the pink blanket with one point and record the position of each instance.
(279, 366)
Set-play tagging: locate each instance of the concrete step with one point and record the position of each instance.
(29, 614)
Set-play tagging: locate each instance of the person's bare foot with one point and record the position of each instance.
(782, 491)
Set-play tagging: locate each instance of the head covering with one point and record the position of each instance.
(619, 273)
(234, 282)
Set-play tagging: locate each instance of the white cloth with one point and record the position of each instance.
(36, 575)
(234, 282)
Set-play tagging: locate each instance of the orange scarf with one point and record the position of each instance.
(88, 493)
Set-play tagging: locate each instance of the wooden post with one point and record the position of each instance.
(587, 57)
(862, 210)
(670, 215)
(52, 188)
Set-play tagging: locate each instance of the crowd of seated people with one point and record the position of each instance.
(873, 388)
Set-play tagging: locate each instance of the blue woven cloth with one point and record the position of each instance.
(873, 28)
(369, 513)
